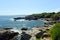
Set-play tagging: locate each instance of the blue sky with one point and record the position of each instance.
(27, 7)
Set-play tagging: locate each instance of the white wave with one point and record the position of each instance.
(11, 19)
(21, 20)
(16, 30)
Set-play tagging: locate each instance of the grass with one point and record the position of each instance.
(37, 38)
(55, 32)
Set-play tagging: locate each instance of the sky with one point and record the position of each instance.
(28, 7)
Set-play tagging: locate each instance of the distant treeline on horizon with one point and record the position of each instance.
(52, 15)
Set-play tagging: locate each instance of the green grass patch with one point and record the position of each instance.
(55, 32)
(37, 38)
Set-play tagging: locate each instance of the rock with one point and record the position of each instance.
(18, 18)
(7, 28)
(24, 28)
(25, 36)
(7, 35)
(45, 35)
(40, 34)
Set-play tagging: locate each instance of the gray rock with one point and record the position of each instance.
(25, 36)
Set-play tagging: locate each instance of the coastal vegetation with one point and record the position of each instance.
(52, 15)
(38, 39)
(55, 32)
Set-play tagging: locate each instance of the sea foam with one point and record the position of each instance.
(11, 19)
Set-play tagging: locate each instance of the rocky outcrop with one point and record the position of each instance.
(7, 34)
(18, 18)
(40, 34)
(30, 17)
(25, 36)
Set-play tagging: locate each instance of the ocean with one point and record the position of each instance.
(8, 22)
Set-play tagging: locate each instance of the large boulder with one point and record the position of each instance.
(7, 35)
(40, 34)
(25, 36)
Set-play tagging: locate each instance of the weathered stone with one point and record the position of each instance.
(7, 35)
(25, 36)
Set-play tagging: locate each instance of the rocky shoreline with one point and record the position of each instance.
(35, 32)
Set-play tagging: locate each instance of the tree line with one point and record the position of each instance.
(52, 15)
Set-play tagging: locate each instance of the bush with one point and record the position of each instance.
(55, 32)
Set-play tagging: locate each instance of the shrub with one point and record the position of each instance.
(55, 32)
